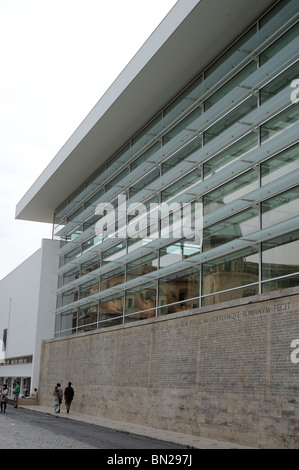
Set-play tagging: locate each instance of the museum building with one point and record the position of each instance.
(179, 191)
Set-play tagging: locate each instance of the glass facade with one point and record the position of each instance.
(202, 205)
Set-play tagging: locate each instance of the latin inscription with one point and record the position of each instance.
(244, 313)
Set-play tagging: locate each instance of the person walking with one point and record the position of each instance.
(56, 395)
(4, 398)
(16, 394)
(68, 396)
(60, 397)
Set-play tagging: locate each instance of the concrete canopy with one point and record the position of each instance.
(191, 36)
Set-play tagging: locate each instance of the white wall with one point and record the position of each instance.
(46, 302)
(19, 292)
(26, 303)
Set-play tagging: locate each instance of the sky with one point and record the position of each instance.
(57, 59)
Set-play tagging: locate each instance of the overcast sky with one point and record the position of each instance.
(57, 58)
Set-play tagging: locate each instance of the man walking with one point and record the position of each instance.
(16, 394)
(68, 396)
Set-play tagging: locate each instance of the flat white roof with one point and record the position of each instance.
(192, 35)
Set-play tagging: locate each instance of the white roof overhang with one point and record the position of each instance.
(193, 34)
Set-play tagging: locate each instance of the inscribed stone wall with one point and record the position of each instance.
(225, 372)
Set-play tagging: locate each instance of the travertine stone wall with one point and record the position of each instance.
(223, 372)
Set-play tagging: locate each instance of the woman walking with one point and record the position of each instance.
(56, 395)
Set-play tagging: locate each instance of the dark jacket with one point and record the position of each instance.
(69, 393)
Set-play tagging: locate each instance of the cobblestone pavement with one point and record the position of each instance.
(16, 434)
(24, 428)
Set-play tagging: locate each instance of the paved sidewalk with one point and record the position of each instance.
(194, 442)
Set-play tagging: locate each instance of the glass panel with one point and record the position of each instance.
(69, 296)
(145, 265)
(75, 214)
(181, 289)
(177, 252)
(229, 119)
(247, 291)
(60, 213)
(279, 122)
(146, 155)
(137, 220)
(184, 128)
(71, 276)
(74, 233)
(60, 281)
(280, 207)
(272, 50)
(144, 182)
(115, 252)
(153, 223)
(280, 256)
(90, 243)
(221, 160)
(231, 271)
(147, 134)
(139, 316)
(231, 191)
(171, 221)
(171, 254)
(280, 165)
(223, 59)
(91, 265)
(142, 222)
(230, 85)
(122, 156)
(181, 154)
(116, 179)
(285, 283)
(57, 228)
(89, 288)
(72, 254)
(181, 184)
(91, 221)
(111, 322)
(183, 101)
(279, 83)
(93, 200)
(111, 311)
(113, 278)
(69, 209)
(237, 226)
(142, 298)
(134, 244)
(273, 12)
(178, 220)
(87, 318)
(68, 321)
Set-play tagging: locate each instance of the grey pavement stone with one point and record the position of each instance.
(16, 434)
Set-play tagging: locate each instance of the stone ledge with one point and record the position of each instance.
(30, 401)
